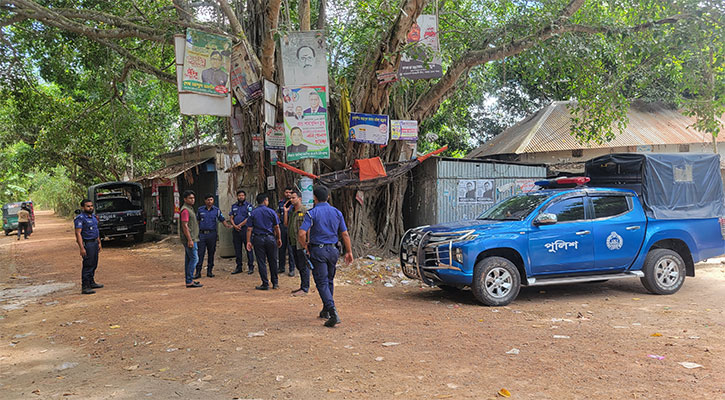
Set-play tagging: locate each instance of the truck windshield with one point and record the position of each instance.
(114, 205)
(515, 208)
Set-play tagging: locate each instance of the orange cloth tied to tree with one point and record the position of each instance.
(370, 168)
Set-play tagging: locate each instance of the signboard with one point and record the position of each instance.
(274, 138)
(246, 81)
(304, 58)
(306, 185)
(403, 130)
(305, 122)
(369, 128)
(480, 191)
(422, 60)
(207, 62)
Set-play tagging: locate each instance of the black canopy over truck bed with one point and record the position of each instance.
(671, 186)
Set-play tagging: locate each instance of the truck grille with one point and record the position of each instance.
(423, 253)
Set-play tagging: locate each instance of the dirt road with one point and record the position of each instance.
(147, 336)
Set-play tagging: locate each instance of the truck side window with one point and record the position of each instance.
(609, 206)
(568, 210)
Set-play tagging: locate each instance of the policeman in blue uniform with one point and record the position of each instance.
(239, 213)
(89, 243)
(263, 233)
(318, 234)
(208, 216)
(284, 207)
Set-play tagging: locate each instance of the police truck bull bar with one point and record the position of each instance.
(423, 253)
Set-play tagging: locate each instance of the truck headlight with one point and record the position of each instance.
(458, 255)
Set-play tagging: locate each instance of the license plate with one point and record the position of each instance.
(122, 228)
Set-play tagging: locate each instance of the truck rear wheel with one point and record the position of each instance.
(664, 271)
(496, 281)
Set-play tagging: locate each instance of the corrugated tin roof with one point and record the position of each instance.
(171, 171)
(548, 129)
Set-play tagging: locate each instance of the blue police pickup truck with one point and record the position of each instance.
(651, 216)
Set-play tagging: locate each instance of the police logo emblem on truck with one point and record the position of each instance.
(614, 241)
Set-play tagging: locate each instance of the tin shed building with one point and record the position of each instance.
(451, 189)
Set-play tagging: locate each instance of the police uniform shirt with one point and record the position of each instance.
(280, 209)
(88, 224)
(262, 221)
(208, 218)
(324, 222)
(240, 212)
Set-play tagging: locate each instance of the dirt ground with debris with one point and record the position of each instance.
(147, 336)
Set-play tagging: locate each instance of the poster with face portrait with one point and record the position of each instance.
(304, 58)
(369, 128)
(305, 122)
(246, 80)
(207, 61)
(422, 59)
(479, 191)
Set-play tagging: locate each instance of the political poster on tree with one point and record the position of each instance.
(305, 122)
(274, 137)
(206, 63)
(422, 60)
(304, 58)
(369, 128)
(403, 130)
(246, 80)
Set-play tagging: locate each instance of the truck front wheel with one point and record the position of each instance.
(496, 281)
(664, 271)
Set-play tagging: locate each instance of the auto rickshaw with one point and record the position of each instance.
(10, 216)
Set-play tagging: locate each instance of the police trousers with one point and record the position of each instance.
(302, 267)
(240, 245)
(285, 250)
(207, 244)
(324, 261)
(265, 248)
(90, 263)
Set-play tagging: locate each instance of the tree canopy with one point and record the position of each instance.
(90, 84)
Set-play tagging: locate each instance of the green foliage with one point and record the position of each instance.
(15, 178)
(54, 189)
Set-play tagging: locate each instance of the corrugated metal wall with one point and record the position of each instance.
(449, 173)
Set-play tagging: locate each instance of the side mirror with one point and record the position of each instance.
(545, 219)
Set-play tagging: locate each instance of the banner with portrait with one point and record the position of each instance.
(369, 128)
(304, 58)
(305, 122)
(207, 61)
(422, 60)
(246, 79)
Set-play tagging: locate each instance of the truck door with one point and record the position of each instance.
(566, 246)
(619, 227)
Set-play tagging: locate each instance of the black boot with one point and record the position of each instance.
(334, 319)
(237, 271)
(324, 314)
(197, 275)
(87, 290)
(95, 285)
